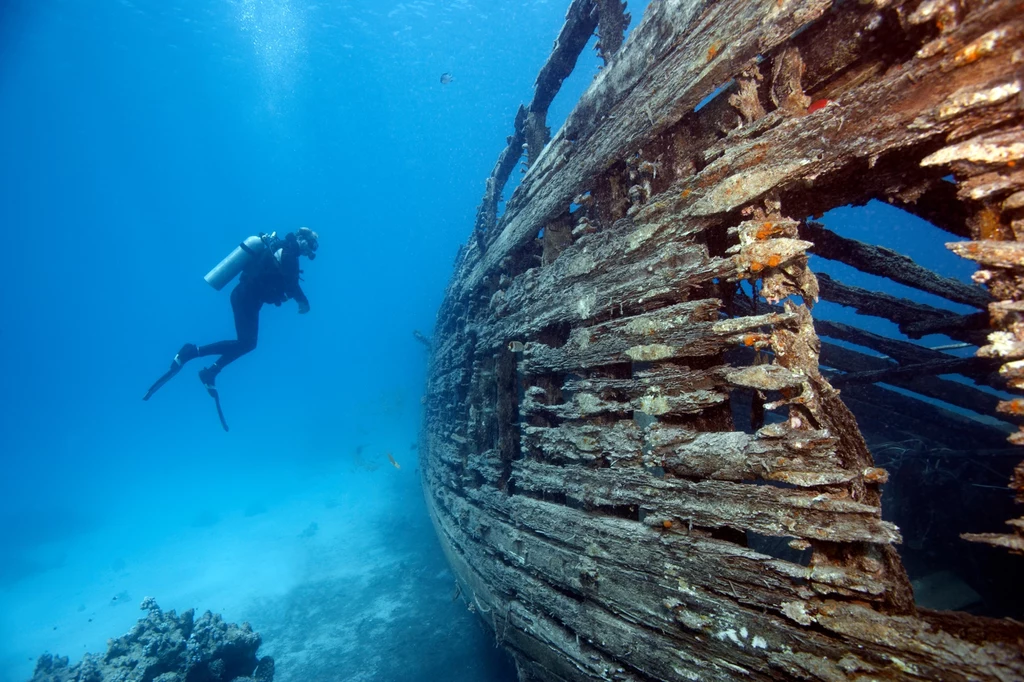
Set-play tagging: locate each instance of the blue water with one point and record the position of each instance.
(141, 141)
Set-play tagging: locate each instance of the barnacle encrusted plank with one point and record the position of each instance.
(635, 450)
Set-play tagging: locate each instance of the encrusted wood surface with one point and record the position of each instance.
(603, 509)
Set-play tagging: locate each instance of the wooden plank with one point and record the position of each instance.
(968, 328)
(878, 260)
(951, 366)
(599, 279)
(866, 123)
(901, 351)
(767, 510)
(880, 405)
(636, 98)
(679, 331)
(612, 23)
(578, 640)
(523, 526)
(679, 589)
(802, 458)
(487, 213)
(806, 459)
(529, 129)
(952, 392)
(678, 619)
(867, 103)
(663, 391)
(907, 314)
(580, 22)
(589, 405)
(584, 444)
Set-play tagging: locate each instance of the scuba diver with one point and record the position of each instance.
(270, 273)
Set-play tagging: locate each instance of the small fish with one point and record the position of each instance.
(446, 78)
(393, 462)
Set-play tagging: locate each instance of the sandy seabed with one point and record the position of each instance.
(344, 582)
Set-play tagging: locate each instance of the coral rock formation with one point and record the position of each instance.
(165, 647)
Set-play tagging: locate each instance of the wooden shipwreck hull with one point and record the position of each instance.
(640, 455)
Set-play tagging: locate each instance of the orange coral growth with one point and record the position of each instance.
(766, 230)
(1015, 407)
(686, 193)
(968, 55)
(713, 50)
(749, 340)
(774, 260)
(666, 523)
(876, 475)
(756, 267)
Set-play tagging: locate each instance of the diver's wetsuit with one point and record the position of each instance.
(269, 280)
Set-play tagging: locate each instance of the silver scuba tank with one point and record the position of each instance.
(244, 254)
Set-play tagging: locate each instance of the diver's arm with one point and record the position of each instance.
(290, 270)
(295, 291)
(300, 298)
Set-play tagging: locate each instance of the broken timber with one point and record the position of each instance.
(582, 463)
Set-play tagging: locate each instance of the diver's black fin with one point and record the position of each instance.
(188, 352)
(208, 376)
(216, 401)
(175, 368)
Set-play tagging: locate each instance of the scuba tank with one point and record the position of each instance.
(243, 255)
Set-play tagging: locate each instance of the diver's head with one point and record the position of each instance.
(309, 242)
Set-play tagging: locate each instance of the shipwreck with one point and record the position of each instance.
(646, 455)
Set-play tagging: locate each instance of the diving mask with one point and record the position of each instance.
(308, 241)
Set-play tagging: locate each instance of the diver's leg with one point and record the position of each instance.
(218, 348)
(238, 301)
(246, 308)
(187, 352)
